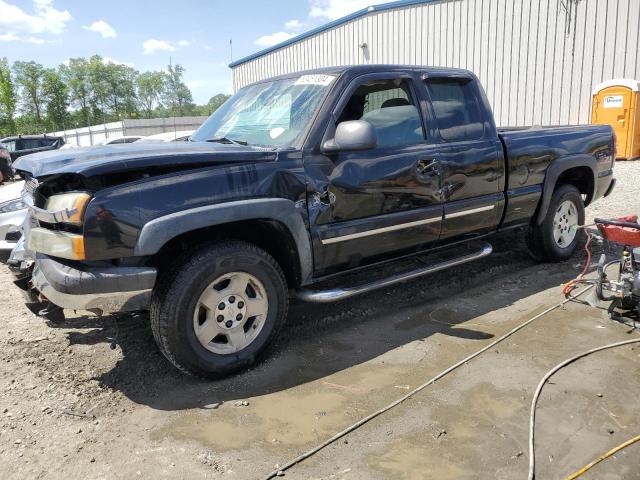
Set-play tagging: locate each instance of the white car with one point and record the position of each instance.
(110, 141)
(167, 137)
(13, 212)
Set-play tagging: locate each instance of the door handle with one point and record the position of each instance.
(428, 167)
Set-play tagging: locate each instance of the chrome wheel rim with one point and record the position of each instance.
(565, 223)
(230, 313)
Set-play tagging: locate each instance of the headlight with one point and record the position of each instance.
(12, 206)
(71, 205)
(56, 244)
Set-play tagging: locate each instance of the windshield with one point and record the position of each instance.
(272, 114)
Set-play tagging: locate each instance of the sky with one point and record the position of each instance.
(144, 34)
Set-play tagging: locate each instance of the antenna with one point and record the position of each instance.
(231, 49)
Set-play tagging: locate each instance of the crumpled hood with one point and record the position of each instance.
(108, 159)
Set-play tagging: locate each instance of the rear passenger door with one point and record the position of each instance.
(470, 154)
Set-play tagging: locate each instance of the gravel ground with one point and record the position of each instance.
(72, 406)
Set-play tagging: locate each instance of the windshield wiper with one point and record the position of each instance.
(227, 140)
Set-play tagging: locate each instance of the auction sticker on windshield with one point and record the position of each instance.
(323, 80)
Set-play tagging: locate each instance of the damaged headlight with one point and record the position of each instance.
(72, 204)
(65, 208)
(12, 206)
(56, 244)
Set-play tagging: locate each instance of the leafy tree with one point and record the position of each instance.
(84, 91)
(150, 87)
(29, 77)
(8, 99)
(56, 95)
(176, 94)
(76, 76)
(216, 102)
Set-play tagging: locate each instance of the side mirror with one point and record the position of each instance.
(350, 136)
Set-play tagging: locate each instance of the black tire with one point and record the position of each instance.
(176, 296)
(540, 239)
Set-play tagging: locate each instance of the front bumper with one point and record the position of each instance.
(10, 223)
(107, 289)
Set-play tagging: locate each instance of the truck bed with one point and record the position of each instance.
(530, 151)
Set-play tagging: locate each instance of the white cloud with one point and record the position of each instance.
(184, 43)
(10, 37)
(103, 28)
(294, 25)
(273, 39)
(152, 45)
(113, 61)
(334, 9)
(44, 19)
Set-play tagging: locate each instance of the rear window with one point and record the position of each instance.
(456, 108)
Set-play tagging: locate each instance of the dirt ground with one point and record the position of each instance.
(71, 407)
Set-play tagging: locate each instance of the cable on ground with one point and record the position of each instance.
(611, 452)
(280, 471)
(532, 416)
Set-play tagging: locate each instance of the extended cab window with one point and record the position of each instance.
(455, 105)
(390, 108)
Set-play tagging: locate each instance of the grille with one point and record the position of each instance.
(29, 189)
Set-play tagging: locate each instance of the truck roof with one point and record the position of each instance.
(363, 69)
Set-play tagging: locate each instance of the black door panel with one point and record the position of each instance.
(471, 217)
(471, 158)
(356, 242)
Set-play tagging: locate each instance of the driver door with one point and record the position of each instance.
(366, 205)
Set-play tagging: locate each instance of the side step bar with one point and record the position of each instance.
(336, 294)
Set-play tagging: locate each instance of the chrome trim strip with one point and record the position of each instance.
(471, 211)
(392, 228)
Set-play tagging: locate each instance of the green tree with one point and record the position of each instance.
(8, 99)
(57, 99)
(150, 86)
(76, 77)
(177, 95)
(30, 78)
(216, 102)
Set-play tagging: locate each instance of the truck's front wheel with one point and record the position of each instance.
(217, 310)
(555, 239)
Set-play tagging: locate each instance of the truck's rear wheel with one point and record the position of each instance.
(217, 310)
(556, 238)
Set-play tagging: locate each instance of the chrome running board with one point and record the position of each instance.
(336, 294)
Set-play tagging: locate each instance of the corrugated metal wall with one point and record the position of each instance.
(537, 59)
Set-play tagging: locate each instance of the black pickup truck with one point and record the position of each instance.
(294, 184)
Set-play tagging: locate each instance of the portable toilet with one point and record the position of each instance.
(617, 103)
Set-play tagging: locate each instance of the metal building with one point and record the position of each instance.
(537, 59)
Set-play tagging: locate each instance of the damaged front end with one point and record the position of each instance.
(21, 263)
